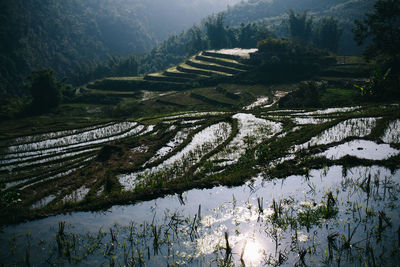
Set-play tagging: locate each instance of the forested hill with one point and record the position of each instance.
(74, 37)
(65, 34)
(273, 12)
(253, 10)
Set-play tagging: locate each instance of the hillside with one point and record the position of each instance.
(173, 171)
(224, 145)
(66, 35)
(75, 37)
(274, 12)
(254, 10)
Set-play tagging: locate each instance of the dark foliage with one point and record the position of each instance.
(76, 36)
(283, 59)
(114, 66)
(216, 32)
(300, 26)
(272, 13)
(307, 96)
(107, 151)
(382, 27)
(46, 91)
(327, 34)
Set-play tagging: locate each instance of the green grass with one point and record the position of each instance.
(339, 97)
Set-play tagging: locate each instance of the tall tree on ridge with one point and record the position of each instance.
(300, 26)
(216, 31)
(383, 29)
(328, 34)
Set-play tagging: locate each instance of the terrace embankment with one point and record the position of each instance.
(200, 68)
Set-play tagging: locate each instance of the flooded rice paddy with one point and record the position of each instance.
(329, 207)
(202, 143)
(252, 131)
(47, 154)
(362, 149)
(333, 216)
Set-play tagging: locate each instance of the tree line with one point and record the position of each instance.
(213, 33)
(74, 35)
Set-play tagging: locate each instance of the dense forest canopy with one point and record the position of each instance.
(64, 34)
(85, 40)
(274, 12)
(253, 10)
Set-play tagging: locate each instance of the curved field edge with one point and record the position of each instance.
(105, 190)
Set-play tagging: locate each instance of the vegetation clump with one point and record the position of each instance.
(308, 95)
(46, 91)
(282, 59)
(382, 28)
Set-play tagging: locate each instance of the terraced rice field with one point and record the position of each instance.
(199, 68)
(29, 160)
(307, 187)
(195, 145)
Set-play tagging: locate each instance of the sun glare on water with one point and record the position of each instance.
(253, 253)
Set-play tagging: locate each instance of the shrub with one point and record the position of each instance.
(307, 96)
(46, 91)
(282, 59)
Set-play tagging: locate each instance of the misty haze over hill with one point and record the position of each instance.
(172, 16)
(71, 36)
(65, 34)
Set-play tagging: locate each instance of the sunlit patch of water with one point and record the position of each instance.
(43, 202)
(194, 115)
(243, 53)
(285, 111)
(359, 127)
(140, 149)
(52, 135)
(247, 218)
(76, 195)
(54, 148)
(277, 96)
(259, 102)
(149, 129)
(361, 149)
(252, 131)
(12, 164)
(191, 121)
(202, 143)
(179, 138)
(392, 133)
(252, 252)
(328, 111)
(310, 120)
(88, 136)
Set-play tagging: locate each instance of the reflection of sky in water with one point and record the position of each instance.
(235, 211)
(392, 132)
(362, 149)
(202, 143)
(359, 127)
(250, 128)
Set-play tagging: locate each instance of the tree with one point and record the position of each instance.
(216, 32)
(45, 89)
(283, 59)
(249, 35)
(382, 28)
(197, 41)
(328, 34)
(300, 26)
